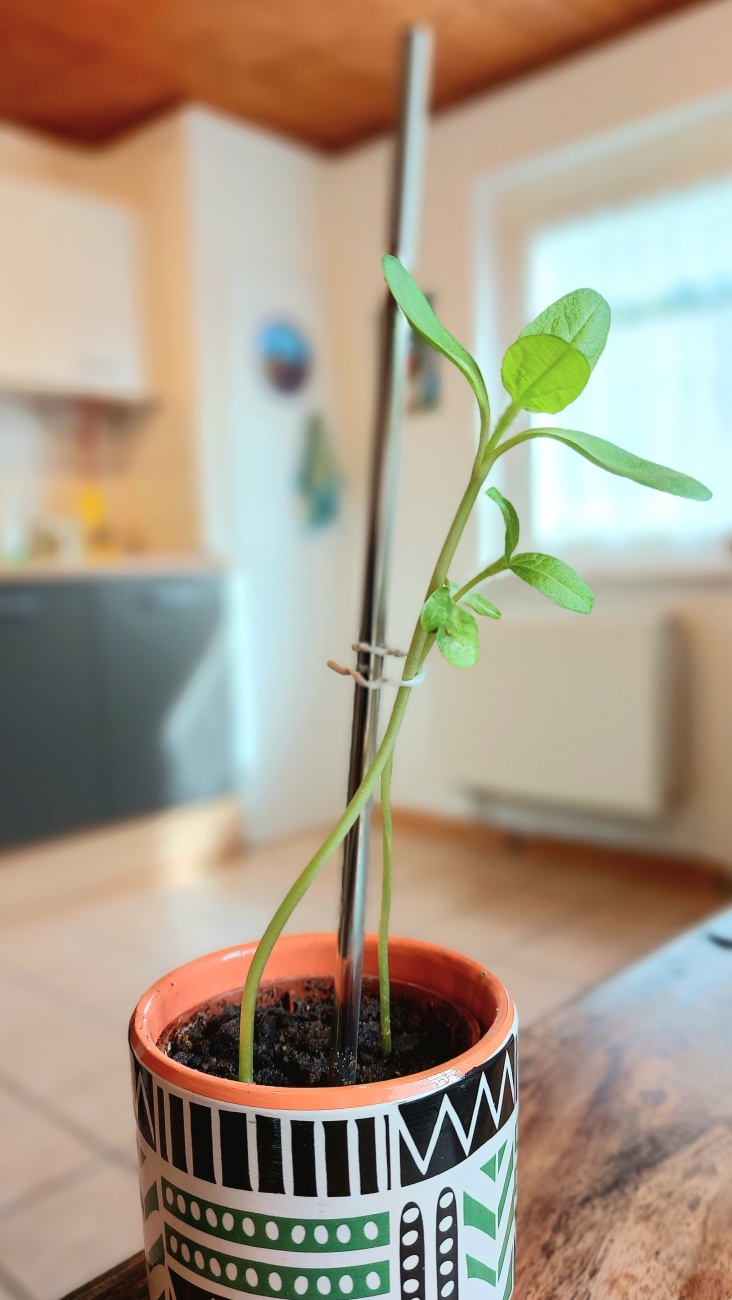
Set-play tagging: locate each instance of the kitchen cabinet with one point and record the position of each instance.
(114, 700)
(164, 684)
(50, 779)
(70, 294)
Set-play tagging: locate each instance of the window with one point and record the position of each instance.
(663, 387)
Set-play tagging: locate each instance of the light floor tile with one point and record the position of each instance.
(71, 1235)
(577, 953)
(593, 945)
(53, 1045)
(35, 1152)
(11, 1289)
(535, 993)
(101, 1109)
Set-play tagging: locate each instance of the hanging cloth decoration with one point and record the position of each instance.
(319, 481)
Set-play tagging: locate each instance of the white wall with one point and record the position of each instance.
(259, 254)
(677, 67)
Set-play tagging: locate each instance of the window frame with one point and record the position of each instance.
(642, 161)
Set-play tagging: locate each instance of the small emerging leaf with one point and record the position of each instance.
(541, 372)
(554, 579)
(456, 630)
(510, 517)
(423, 319)
(480, 605)
(581, 318)
(623, 463)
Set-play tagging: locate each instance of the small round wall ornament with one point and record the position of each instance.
(284, 355)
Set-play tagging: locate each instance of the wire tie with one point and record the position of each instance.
(375, 683)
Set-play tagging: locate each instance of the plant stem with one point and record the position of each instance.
(384, 982)
(509, 415)
(308, 875)
(499, 566)
(457, 527)
(420, 647)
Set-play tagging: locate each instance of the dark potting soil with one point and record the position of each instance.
(293, 1032)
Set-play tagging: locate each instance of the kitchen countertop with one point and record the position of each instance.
(142, 565)
(625, 1138)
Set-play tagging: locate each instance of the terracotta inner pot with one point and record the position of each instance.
(437, 971)
(435, 1031)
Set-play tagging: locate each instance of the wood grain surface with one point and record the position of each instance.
(321, 71)
(625, 1147)
(127, 1281)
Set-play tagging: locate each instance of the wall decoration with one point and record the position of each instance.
(319, 480)
(284, 355)
(424, 376)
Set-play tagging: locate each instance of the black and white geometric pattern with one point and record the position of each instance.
(439, 1131)
(294, 1155)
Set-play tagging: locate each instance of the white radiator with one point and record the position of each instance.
(575, 714)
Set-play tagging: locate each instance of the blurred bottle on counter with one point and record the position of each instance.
(14, 531)
(29, 535)
(98, 537)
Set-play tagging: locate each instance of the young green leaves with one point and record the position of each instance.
(552, 359)
(480, 605)
(581, 318)
(551, 577)
(555, 580)
(510, 518)
(456, 631)
(422, 319)
(623, 463)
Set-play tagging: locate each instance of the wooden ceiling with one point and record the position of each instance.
(321, 71)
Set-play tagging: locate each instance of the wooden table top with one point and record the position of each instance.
(625, 1147)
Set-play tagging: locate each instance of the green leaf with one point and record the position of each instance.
(581, 318)
(456, 630)
(480, 605)
(554, 579)
(544, 373)
(510, 517)
(423, 319)
(623, 463)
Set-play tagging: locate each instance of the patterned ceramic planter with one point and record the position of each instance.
(403, 1189)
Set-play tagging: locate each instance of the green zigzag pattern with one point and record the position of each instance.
(151, 1202)
(480, 1216)
(156, 1254)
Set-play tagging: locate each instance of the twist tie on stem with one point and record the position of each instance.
(376, 683)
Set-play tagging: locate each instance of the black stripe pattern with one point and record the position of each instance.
(178, 1133)
(329, 1156)
(303, 1158)
(233, 1127)
(446, 1246)
(142, 1084)
(202, 1142)
(336, 1157)
(269, 1153)
(411, 1253)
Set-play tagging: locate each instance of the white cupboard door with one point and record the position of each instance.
(70, 312)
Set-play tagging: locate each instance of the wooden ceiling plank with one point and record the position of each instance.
(321, 71)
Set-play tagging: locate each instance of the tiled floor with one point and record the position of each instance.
(68, 981)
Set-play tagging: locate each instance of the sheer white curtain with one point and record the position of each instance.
(663, 387)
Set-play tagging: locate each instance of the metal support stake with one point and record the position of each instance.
(382, 510)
